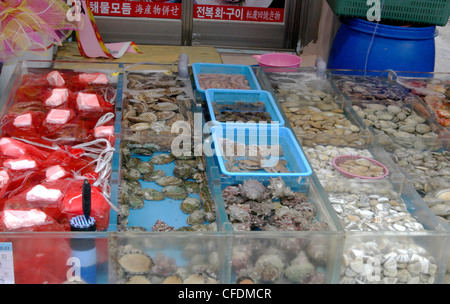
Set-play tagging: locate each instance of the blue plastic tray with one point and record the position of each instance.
(230, 69)
(232, 96)
(297, 163)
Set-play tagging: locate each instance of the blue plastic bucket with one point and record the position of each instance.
(397, 48)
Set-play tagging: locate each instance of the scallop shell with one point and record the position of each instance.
(165, 106)
(144, 117)
(142, 126)
(138, 279)
(195, 279)
(136, 262)
(175, 279)
(164, 115)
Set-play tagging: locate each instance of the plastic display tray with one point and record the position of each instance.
(230, 97)
(288, 152)
(228, 69)
(432, 12)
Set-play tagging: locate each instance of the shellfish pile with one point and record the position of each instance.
(404, 125)
(153, 102)
(314, 112)
(281, 261)
(240, 157)
(430, 173)
(388, 262)
(223, 81)
(360, 205)
(368, 89)
(134, 265)
(275, 207)
(145, 178)
(242, 112)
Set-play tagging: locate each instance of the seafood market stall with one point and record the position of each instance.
(285, 177)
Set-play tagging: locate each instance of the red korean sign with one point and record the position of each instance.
(238, 13)
(136, 9)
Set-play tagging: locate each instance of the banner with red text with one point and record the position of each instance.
(238, 13)
(118, 8)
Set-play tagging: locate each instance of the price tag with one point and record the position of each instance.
(6, 264)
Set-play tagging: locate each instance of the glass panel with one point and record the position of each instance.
(241, 23)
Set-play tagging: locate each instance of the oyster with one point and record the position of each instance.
(197, 217)
(131, 174)
(150, 194)
(183, 172)
(153, 176)
(190, 204)
(169, 181)
(145, 167)
(162, 159)
(175, 192)
(134, 201)
(191, 186)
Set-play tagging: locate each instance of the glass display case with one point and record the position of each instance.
(206, 226)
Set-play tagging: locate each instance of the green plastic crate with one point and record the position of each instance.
(430, 12)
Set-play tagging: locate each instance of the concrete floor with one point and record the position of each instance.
(443, 49)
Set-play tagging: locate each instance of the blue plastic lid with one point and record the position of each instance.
(390, 31)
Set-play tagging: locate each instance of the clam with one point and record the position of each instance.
(142, 126)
